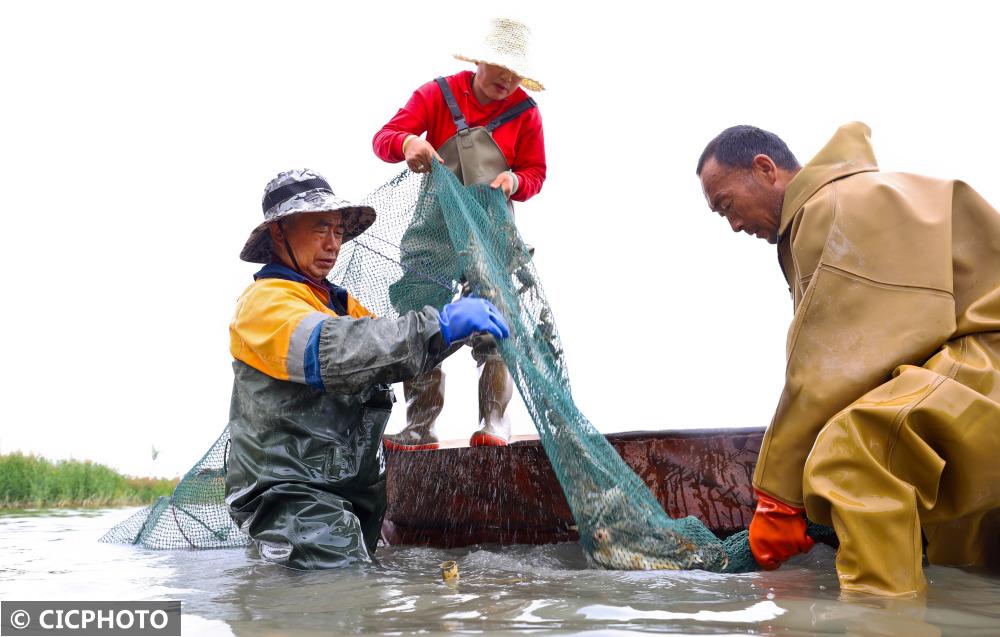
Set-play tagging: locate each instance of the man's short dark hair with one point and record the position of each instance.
(738, 145)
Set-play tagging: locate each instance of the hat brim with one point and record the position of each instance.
(517, 68)
(357, 219)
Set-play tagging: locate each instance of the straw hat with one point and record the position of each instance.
(294, 192)
(506, 44)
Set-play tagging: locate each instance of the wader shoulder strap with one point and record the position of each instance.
(510, 114)
(449, 98)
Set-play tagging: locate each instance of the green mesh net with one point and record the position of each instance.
(434, 239)
(194, 516)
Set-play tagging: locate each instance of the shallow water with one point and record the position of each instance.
(538, 590)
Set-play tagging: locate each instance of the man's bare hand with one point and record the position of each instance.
(505, 181)
(419, 154)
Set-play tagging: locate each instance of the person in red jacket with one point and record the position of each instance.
(503, 146)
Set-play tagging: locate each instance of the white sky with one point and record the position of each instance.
(137, 138)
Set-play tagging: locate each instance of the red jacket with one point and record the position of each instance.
(520, 140)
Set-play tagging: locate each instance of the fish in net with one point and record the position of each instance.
(434, 239)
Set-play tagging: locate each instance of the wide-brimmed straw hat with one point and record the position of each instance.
(294, 192)
(507, 43)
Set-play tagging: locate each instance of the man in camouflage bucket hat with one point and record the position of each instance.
(306, 469)
(297, 191)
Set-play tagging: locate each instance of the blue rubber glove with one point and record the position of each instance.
(470, 314)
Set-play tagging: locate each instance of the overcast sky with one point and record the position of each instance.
(137, 138)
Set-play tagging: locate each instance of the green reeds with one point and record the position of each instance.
(29, 481)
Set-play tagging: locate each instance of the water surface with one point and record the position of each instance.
(526, 590)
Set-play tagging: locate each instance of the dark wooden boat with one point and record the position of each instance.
(459, 496)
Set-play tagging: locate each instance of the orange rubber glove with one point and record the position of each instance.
(777, 532)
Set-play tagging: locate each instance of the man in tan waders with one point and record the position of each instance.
(888, 427)
(486, 130)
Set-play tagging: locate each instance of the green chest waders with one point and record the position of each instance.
(473, 156)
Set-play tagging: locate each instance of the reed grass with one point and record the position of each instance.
(30, 481)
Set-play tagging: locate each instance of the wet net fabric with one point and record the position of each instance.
(435, 239)
(194, 516)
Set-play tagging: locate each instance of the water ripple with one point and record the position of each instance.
(515, 589)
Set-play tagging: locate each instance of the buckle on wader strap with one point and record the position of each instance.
(456, 112)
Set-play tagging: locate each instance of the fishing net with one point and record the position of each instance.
(194, 516)
(435, 239)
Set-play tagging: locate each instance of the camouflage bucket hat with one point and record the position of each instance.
(294, 192)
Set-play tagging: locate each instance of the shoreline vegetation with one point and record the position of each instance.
(30, 481)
